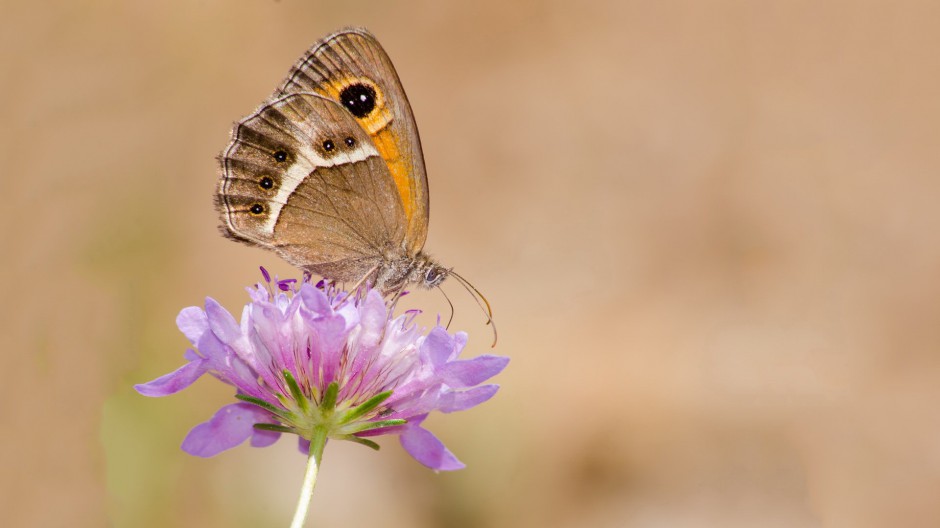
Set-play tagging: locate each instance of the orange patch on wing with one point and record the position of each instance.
(386, 142)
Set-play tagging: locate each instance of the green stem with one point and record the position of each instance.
(317, 443)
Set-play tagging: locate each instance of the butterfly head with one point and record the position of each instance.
(434, 275)
(424, 271)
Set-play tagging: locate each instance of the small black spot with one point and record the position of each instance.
(266, 183)
(350, 141)
(328, 145)
(257, 209)
(359, 99)
(280, 156)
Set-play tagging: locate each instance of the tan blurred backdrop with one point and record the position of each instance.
(709, 231)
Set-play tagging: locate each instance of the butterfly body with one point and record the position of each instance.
(329, 171)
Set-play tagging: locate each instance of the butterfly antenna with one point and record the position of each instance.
(477, 296)
(451, 306)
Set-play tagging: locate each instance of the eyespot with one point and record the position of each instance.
(359, 99)
(266, 183)
(350, 141)
(280, 156)
(256, 209)
(328, 145)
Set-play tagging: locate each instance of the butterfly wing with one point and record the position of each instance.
(303, 178)
(351, 68)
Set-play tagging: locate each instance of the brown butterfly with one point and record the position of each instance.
(329, 171)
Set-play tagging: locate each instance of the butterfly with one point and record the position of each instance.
(329, 174)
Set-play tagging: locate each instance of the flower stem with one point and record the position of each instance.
(317, 443)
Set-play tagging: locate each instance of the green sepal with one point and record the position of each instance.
(295, 391)
(360, 441)
(329, 399)
(361, 410)
(368, 426)
(281, 413)
(275, 427)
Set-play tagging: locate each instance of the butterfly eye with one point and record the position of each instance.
(433, 277)
(266, 183)
(328, 145)
(257, 209)
(359, 99)
(280, 156)
(350, 141)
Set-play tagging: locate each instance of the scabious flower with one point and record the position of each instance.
(323, 364)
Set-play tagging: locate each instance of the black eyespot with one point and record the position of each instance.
(350, 141)
(280, 156)
(359, 99)
(257, 209)
(328, 145)
(266, 183)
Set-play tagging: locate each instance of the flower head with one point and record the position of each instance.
(316, 362)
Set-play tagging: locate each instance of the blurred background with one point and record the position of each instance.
(709, 231)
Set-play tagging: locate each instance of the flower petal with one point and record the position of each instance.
(350, 314)
(454, 401)
(327, 341)
(438, 346)
(303, 445)
(175, 381)
(460, 341)
(222, 323)
(230, 426)
(262, 438)
(258, 293)
(470, 372)
(193, 323)
(372, 317)
(315, 300)
(428, 450)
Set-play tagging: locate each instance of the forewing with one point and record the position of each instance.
(351, 68)
(303, 178)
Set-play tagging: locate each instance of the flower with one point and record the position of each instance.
(321, 364)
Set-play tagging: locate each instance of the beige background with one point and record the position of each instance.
(709, 231)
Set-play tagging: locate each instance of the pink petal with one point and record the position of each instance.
(257, 293)
(230, 426)
(327, 340)
(427, 449)
(462, 400)
(416, 403)
(372, 319)
(460, 341)
(438, 346)
(262, 438)
(315, 300)
(193, 323)
(222, 323)
(175, 381)
(213, 349)
(470, 372)
(350, 314)
(303, 445)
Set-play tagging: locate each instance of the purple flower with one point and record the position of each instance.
(324, 364)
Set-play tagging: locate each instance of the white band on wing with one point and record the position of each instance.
(306, 161)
